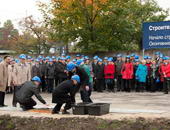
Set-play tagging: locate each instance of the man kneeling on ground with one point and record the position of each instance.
(65, 93)
(25, 93)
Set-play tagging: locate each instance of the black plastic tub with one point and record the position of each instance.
(80, 108)
(98, 109)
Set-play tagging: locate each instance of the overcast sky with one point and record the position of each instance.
(18, 9)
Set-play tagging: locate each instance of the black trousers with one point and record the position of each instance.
(56, 81)
(148, 83)
(119, 83)
(127, 85)
(153, 84)
(166, 85)
(2, 98)
(50, 84)
(85, 95)
(110, 84)
(142, 86)
(14, 101)
(100, 84)
(43, 83)
(29, 104)
(59, 105)
(94, 84)
(62, 79)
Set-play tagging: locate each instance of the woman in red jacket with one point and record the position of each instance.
(166, 74)
(127, 74)
(109, 71)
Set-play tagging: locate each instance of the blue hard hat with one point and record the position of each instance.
(110, 59)
(76, 77)
(63, 54)
(40, 57)
(119, 55)
(53, 57)
(37, 60)
(166, 58)
(50, 60)
(68, 57)
(16, 60)
(136, 57)
(145, 57)
(132, 55)
(86, 58)
(105, 58)
(78, 55)
(22, 56)
(59, 58)
(128, 57)
(157, 53)
(29, 57)
(70, 66)
(161, 55)
(47, 58)
(79, 62)
(95, 57)
(62, 58)
(36, 78)
(149, 57)
(74, 60)
(100, 60)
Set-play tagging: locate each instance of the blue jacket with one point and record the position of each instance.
(141, 73)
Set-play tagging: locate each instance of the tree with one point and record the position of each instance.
(101, 25)
(34, 35)
(8, 35)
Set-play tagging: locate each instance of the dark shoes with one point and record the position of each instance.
(65, 112)
(54, 112)
(3, 106)
(26, 108)
(57, 112)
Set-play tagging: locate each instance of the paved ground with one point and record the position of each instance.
(123, 105)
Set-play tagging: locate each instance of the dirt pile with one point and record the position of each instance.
(18, 123)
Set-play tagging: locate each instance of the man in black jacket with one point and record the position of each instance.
(35, 71)
(99, 76)
(60, 70)
(43, 66)
(94, 69)
(85, 90)
(65, 93)
(50, 75)
(25, 93)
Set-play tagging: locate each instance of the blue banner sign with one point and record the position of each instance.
(156, 35)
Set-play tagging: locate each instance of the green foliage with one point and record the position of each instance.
(101, 25)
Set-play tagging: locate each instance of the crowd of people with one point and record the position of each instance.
(125, 73)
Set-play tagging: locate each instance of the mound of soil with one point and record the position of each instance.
(18, 123)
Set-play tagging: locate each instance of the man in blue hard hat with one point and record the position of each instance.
(50, 75)
(65, 93)
(35, 71)
(60, 70)
(94, 66)
(25, 93)
(118, 65)
(85, 89)
(42, 67)
(22, 73)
